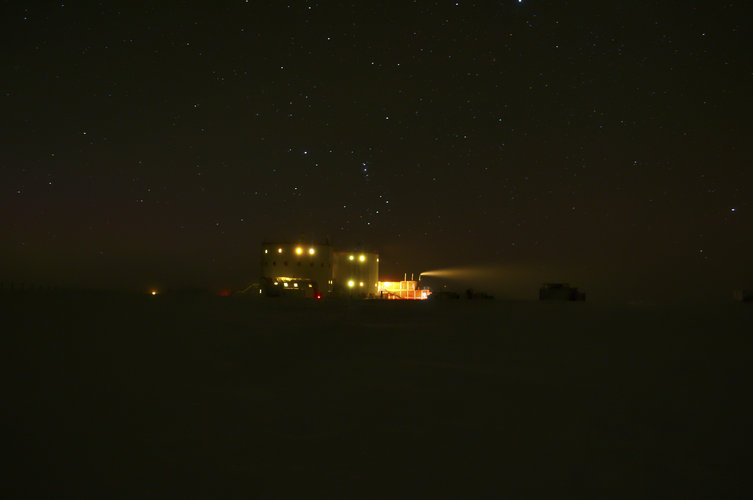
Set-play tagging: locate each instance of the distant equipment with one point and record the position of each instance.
(472, 295)
(443, 295)
(560, 291)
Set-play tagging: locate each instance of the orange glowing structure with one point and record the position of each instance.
(402, 290)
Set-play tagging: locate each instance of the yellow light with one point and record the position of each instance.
(295, 285)
(351, 258)
(311, 251)
(285, 284)
(360, 284)
(299, 251)
(154, 292)
(362, 258)
(266, 251)
(351, 284)
(279, 250)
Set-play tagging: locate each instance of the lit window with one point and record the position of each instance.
(362, 258)
(285, 284)
(351, 284)
(279, 250)
(310, 286)
(351, 257)
(312, 251)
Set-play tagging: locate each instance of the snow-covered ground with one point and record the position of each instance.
(131, 396)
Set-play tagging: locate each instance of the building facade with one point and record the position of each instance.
(296, 268)
(355, 273)
(317, 270)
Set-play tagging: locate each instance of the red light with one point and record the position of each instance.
(318, 296)
(224, 293)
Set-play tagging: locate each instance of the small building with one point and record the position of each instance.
(560, 291)
(402, 290)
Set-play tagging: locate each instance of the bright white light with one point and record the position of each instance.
(279, 250)
(295, 285)
(351, 284)
(351, 257)
(360, 284)
(266, 251)
(312, 251)
(154, 292)
(285, 284)
(362, 258)
(299, 251)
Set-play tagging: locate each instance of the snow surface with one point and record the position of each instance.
(131, 396)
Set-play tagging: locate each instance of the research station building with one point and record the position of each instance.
(317, 271)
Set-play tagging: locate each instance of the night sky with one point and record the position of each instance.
(603, 143)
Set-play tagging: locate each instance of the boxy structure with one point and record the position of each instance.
(402, 290)
(355, 274)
